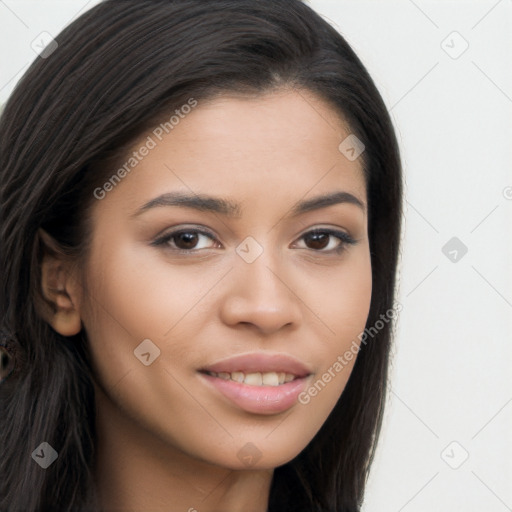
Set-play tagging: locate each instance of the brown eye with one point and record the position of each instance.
(327, 240)
(185, 240)
(317, 240)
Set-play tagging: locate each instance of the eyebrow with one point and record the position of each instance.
(228, 208)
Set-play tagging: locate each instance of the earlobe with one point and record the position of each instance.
(58, 304)
(66, 323)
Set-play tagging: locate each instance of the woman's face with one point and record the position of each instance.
(245, 277)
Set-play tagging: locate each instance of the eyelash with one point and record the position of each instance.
(345, 238)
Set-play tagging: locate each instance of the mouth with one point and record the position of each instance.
(256, 378)
(259, 383)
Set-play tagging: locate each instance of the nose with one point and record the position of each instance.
(261, 294)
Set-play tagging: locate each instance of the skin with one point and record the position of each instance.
(163, 436)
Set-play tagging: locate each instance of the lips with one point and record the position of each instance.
(259, 363)
(258, 383)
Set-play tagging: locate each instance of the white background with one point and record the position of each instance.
(451, 384)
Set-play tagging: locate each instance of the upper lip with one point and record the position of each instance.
(259, 362)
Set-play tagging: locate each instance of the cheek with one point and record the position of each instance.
(340, 299)
(137, 295)
(128, 301)
(134, 298)
(342, 304)
(355, 286)
(355, 300)
(142, 293)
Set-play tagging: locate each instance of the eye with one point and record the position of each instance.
(322, 240)
(185, 240)
(318, 240)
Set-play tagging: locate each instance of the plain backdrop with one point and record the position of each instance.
(443, 69)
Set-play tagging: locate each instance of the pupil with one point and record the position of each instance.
(189, 238)
(316, 237)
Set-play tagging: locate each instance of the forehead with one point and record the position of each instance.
(277, 146)
(283, 122)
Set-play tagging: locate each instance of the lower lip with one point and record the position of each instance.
(259, 399)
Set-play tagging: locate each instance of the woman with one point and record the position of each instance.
(201, 208)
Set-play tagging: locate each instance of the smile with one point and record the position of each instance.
(256, 378)
(257, 397)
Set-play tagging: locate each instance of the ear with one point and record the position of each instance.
(59, 289)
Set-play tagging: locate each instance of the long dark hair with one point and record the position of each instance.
(117, 69)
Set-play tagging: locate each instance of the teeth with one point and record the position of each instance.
(270, 379)
(253, 379)
(256, 378)
(237, 376)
